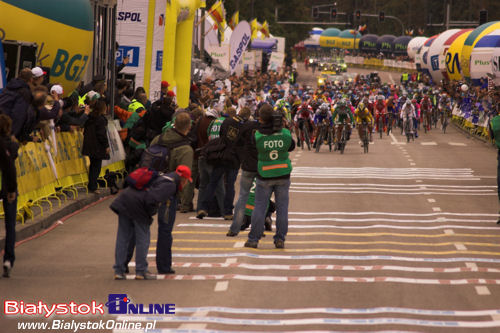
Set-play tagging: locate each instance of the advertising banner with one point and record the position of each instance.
(131, 32)
(3, 74)
(249, 60)
(495, 66)
(238, 44)
(157, 61)
(276, 61)
(480, 63)
(220, 53)
(117, 152)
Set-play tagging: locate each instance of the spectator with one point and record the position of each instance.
(95, 143)
(273, 168)
(73, 116)
(15, 101)
(135, 211)
(181, 153)
(38, 76)
(8, 154)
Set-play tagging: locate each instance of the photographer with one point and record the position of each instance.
(273, 143)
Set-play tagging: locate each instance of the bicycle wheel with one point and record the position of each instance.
(301, 139)
(330, 139)
(342, 141)
(319, 139)
(380, 126)
(425, 124)
(306, 137)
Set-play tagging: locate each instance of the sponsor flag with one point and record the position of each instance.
(216, 12)
(234, 20)
(255, 26)
(264, 29)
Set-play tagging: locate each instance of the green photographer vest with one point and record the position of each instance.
(272, 151)
(214, 128)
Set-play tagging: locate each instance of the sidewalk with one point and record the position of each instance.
(50, 218)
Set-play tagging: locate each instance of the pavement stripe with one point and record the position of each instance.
(331, 257)
(361, 176)
(451, 252)
(347, 311)
(376, 226)
(415, 188)
(374, 279)
(173, 330)
(394, 185)
(324, 242)
(335, 267)
(381, 219)
(318, 321)
(390, 214)
(346, 234)
(292, 190)
(458, 144)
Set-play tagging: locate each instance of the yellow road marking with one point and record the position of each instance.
(376, 234)
(230, 249)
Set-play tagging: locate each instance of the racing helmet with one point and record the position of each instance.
(361, 106)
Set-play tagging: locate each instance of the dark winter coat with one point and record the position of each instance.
(229, 132)
(8, 155)
(95, 139)
(143, 205)
(246, 148)
(15, 101)
(181, 155)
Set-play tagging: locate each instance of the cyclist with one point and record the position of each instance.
(322, 114)
(380, 109)
(362, 114)
(342, 114)
(444, 106)
(408, 115)
(426, 108)
(416, 120)
(391, 111)
(304, 114)
(285, 109)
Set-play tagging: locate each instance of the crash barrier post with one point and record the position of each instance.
(55, 168)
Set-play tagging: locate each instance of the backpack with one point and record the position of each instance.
(141, 178)
(157, 156)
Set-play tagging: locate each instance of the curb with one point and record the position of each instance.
(50, 221)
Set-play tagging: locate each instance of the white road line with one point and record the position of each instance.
(419, 181)
(183, 327)
(230, 261)
(391, 79)
(436, 209)
(334, 213)
(413, 164)
(449, 232)
(391, 193)
(239, 244)
(431, 200)
(471, 265)
(351, 227)
(221, 286)
(323, 184)
(483, 290)
(459, 144)
(460, 247)
(431, 143)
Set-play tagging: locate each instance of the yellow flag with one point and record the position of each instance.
(255, 28)
(235, 19)
(264, 29)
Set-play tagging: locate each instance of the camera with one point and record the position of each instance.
(277, 121)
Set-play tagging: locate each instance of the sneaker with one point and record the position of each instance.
(251, 244)
(231, 234)
(7, 266)
(184, 210)
(268, 224)
(120, 276)
(245, 225)
(145, 276)
(279, 244)
(201, 214)
(228, 217)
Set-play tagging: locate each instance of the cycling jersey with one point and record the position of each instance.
(343, 114)
(363, 115)
(321, 115)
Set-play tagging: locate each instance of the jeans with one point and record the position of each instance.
(246, 181)
(263, 192)
(187, 193)
(498, 175)
(126, 229)
(10, 211)
(216, 177)
(166, 220)
(205, 171)
(94, 171)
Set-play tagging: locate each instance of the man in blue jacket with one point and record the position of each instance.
(135, 209)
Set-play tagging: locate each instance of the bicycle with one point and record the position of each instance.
(380, 125)
(390, 120)
(366, 137)
(407, 128)
(343, 138)
(304, 136)
(445, 121)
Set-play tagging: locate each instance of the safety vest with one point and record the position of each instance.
(495, 128)
(135, 106)
(272, 151)
(213, 130)
(405, 77)
(418, 76)
(81, 100)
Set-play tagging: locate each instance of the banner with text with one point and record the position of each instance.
(238, 44)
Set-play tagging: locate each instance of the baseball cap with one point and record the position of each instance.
(37, 72)
(93, 96)
(185, 172)
(58, 89)
(164, 84)
(171, 93)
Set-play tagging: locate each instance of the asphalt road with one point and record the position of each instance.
(400, 239)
